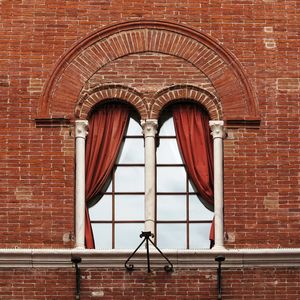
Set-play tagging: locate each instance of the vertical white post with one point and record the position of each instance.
(80, 134)
(217, 128)
(149, 131)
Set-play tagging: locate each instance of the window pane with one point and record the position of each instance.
(109, 188)
(197, 210)
(102, 236)
(129, 179)
(171, 207)
(167, 128)
(132, 151)
(191, 188)
(102, 210)
(134, 128)
(171, 236)
(129, 207)
(168, 152)
(128, 235)
(171, 179)
(199, 236)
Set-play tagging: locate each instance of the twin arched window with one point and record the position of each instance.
(116, 208)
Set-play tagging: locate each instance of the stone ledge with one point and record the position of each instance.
(186, 259)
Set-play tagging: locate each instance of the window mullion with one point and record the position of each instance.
(81, 132)
(217, 128)
(149, 131)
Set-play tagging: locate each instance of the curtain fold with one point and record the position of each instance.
(196, 147)
(106, 130)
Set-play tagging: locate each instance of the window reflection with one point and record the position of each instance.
(171, 179)
(102, 235)
(134, 128)
(192, 188)
(132, 151)
(168, 152)
(198, 211)
(102, 210)
(129, 207)
(128, 235)
(167, 128)
(171, 236)
(171, 207)
(129, 179)
(199, 236)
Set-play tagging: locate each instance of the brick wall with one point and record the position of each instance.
(238, 284)
(261, 164)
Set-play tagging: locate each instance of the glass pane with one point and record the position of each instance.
(129, 207)
(167, 128)
(191, 188)
(199, 236)
(171, 208)
(102, 236)
(128, 235)
(171, 236)
(132, 151)
(109, 188)
(198, 211)
(102, 210)
(168, 152)
(134, 128)
(171, 179)
(129, 179)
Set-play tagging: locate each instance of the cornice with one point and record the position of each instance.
(189, 259)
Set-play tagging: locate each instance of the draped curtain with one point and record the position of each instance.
(196, 147)
(106, 130)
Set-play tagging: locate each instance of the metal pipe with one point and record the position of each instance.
(76, 260)
(219, 259)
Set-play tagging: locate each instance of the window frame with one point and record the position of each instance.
(149, 129)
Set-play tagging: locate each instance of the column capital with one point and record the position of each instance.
(81, 127)
(149, 127)
(217, 128)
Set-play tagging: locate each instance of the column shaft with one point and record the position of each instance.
(149, 130)
(218, 135)
(80, 131)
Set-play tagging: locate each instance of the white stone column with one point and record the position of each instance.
(80, 134)
(217, 128)
(149, 131)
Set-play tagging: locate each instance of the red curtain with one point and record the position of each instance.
(106, 130)
(196, 147)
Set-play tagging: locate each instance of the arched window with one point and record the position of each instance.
(117, 211)
(182, 221)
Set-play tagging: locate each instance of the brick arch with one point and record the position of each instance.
(74, 69)
(91, 96)
(186, 92)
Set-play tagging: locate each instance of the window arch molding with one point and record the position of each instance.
(178, 93)
(78, 64)
(90, 97)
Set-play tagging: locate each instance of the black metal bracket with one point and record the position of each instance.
(219, 259)
(147, 235)
(76, 260)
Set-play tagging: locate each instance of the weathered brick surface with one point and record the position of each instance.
(238, 284)
(262, 196)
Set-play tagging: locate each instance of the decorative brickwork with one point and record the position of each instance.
(79, 64)
(179, 93)
(92, 96)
